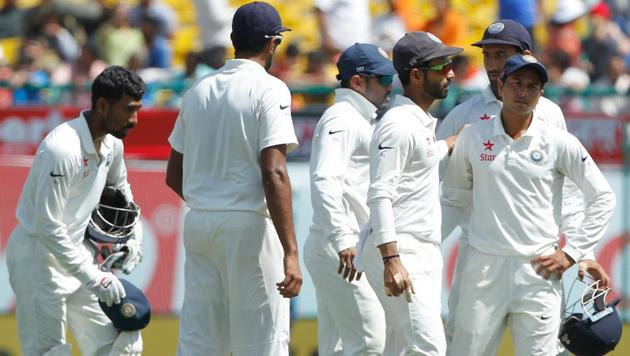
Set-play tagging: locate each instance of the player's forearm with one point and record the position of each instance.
(277, 187)
(175, 172)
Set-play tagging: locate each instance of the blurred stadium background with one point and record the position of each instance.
(50, 50)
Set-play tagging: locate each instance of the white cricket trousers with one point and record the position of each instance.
(350, 318)
(414, 328)
(231, 304)
(48, 300)
(499, 291)
(453, 296)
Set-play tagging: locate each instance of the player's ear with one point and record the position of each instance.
(415, 76)
(102, 106)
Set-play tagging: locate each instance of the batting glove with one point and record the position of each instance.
(107, 288)
(133, 249)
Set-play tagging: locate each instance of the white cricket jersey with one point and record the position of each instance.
(404, 187)
(516, 194)
(340, 168)
(226, 119)
(484, 107)
(64, 186)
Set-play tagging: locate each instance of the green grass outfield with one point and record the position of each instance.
(160, 338)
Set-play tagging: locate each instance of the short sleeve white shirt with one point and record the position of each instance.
(227, 118)
(347, 21)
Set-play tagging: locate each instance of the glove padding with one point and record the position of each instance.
(133, 250)
(107, 288)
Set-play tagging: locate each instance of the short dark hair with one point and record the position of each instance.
(252, 47)
(345, 83)
(116, 81)
(404, 77)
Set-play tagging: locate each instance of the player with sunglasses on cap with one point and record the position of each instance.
(401, 253)
(228, 162)
(351, 320)
(509, 174)
(501, 40)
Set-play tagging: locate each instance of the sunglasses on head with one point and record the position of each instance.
(442, 68)
(383, 80)
(277, 39)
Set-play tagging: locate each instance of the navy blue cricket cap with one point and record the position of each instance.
(364, 58)
(506, 32)
(519, 61)
(132, 313)
(416, 48)
(255, 20)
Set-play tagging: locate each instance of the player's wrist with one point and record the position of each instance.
(386, 259)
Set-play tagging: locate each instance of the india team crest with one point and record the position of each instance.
(496, 28)
(536, 157)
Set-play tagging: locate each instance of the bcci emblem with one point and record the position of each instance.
(536, 157)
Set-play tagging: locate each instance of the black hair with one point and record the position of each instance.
(404, 76)
(345, 83)
(116, 81)
(248, 46)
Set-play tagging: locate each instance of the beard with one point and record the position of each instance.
(436, 90)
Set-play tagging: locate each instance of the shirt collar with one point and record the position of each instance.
(242, 62)
(425, 118)
(535, 127)
(87, 142)
(488, 95)
(358, 101)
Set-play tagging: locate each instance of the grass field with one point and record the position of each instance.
(160, 338)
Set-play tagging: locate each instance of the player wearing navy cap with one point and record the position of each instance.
(228, 162)
(350, 317)
(509, 173)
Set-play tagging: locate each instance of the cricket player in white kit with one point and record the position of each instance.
(228, 162)
(501, 40)
(511, 172)
(404, 200)
(52, 271)
(350, 318)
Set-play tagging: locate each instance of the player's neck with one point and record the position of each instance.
(420, 98)
(97, 132)
(514, 124)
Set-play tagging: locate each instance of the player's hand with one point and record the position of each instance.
(396, 279)
(595, 270)
(107, 288)
(133, 254)
(556, 263)
(290, 286)
(346, 264)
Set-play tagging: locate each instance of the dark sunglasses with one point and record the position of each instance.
(442, 68)
(383, 80)
(277, 39)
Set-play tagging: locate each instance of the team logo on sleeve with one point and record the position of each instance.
(86, 167)
(430, 151)
(485, 117)
(484, 156)
(108, 160)
(536, 157)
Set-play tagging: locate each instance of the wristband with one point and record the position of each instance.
(387, 258)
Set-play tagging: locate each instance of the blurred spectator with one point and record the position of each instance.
(60, 39)
(563, 74)
(447, 24)
(523, 12)
(605, 41)
(35, 62)
(342, 23)
(388, 28)
(563, 34)
(34, 18)
(467, 75)
(214, 57)
(411, 13)
(315, 71)
(166, 17)
(286, 67)
(117, 42)
(11, 19)
(214, 18)
(160, 53)
(87, 67)
(616, 76)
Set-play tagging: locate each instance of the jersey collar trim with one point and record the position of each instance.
(358, 101)
(535, 128)
(87, 142)
(425, 118)
(242, 62)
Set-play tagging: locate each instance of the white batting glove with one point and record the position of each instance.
(107, 288)
(133, 249)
